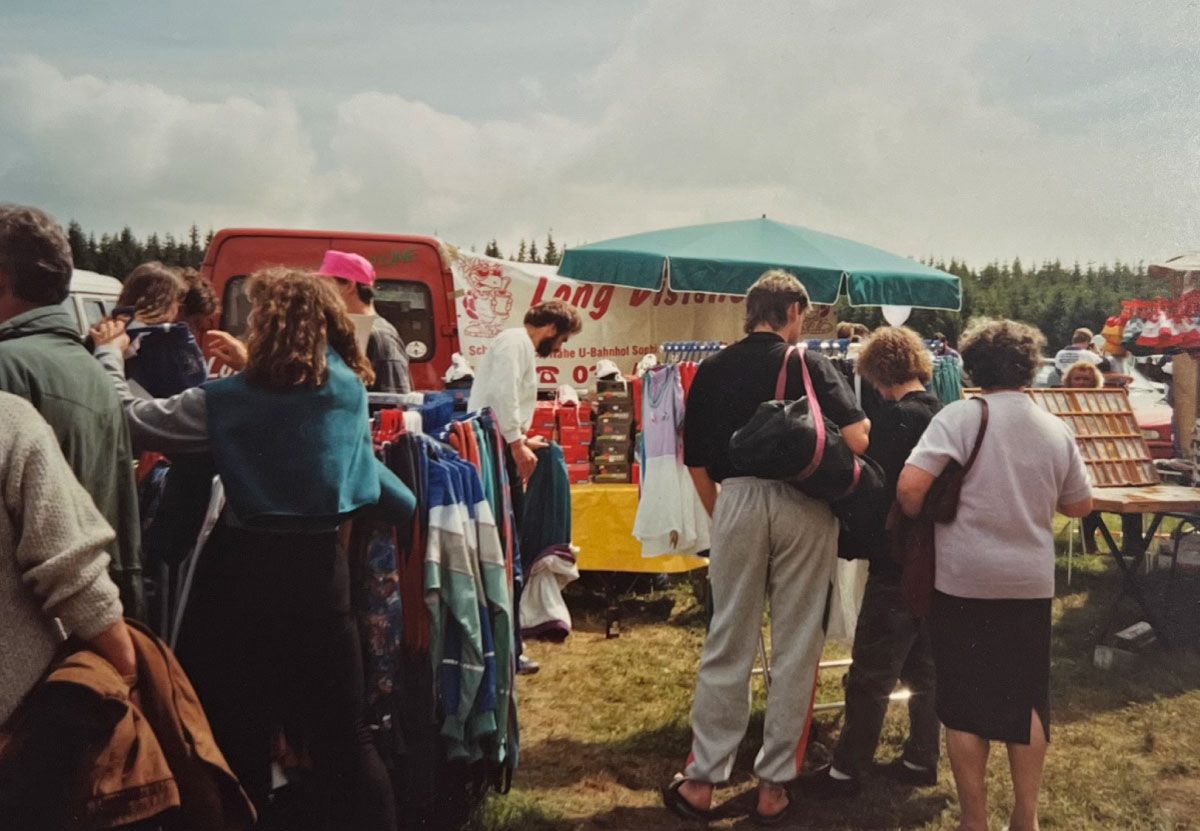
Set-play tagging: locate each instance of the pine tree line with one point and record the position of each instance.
(551, 254)
(1055, 298)
(118, 254)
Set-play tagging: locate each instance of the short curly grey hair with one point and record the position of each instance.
(1002, 354)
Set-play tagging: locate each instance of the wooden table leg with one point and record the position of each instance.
(1128, 555)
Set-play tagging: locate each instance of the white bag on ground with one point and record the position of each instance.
(544, 613)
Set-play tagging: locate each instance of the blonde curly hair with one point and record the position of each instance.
(295, 316)
(1095, 378)
(895, 355)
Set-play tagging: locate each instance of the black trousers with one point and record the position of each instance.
(269, 640)
(517, 490)
(890, 645)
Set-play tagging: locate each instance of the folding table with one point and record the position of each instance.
(1132, 504)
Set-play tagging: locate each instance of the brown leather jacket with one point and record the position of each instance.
(161, 754)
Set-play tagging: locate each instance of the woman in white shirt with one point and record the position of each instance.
(990, 623)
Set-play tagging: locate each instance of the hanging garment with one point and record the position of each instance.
(451, 583)
(849, 585)
(670, 518)
(547, 521)
(947, 379)
(544, 613)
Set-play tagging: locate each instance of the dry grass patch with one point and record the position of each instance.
(605, 723)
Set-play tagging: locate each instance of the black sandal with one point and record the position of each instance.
(773, 820)
(678, 805)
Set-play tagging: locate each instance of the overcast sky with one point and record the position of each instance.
(979, 130)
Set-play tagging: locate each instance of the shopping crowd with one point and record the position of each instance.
(101, 724)
(977, 661)
(269, 639)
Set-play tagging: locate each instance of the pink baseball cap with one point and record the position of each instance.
(348, 266)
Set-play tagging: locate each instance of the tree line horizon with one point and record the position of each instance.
(1056, 298)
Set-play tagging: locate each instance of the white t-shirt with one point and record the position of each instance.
(1072, 355)
(1001, 544)
(506, 381)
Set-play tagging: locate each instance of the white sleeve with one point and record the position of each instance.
(506, 386)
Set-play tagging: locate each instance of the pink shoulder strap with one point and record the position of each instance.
(814, 406)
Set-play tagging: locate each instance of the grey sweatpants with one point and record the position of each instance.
(768, 540)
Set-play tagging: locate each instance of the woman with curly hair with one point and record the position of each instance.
(890, 645)
(994, 577)
(268, 637)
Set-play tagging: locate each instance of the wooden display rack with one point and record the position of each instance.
(1107, 433)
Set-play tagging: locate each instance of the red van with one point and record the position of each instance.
(415, 290)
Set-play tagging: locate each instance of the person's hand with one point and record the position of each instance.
(224, 346)
(115, 646)
(536, 443)
(110, 332)
(525, 458)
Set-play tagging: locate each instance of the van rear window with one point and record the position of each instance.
(405, 304)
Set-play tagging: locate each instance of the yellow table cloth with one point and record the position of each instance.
(602, 518)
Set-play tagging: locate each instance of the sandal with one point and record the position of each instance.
(678, 805)
(773, 820)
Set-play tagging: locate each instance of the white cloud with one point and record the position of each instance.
(929, 128)
(116, 152)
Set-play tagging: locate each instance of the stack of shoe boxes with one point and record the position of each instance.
(611, 451)
(545, 421)
(571, 426)
(575, 431)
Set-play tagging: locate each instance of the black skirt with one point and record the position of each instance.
(993, 665)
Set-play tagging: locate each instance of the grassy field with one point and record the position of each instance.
(605, 723)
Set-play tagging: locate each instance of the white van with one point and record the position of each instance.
(93, 297)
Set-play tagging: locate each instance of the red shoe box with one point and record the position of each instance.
(581, 435)
(544, 416)
(568, 416)
(575, 454)
(579, 474)
(585, 412)
(636, 474)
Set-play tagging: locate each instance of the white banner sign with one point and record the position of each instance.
(619, 324)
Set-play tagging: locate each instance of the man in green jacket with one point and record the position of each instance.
(43, 359)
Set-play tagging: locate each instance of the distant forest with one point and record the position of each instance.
(1052, 296)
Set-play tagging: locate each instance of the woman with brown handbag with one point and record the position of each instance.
(994, 567)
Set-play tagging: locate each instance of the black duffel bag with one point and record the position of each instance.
(793, 441)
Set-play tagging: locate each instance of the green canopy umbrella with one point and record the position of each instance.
(727, 257)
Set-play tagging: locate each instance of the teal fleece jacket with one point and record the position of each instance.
(296, 460)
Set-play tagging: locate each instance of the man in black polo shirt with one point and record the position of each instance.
(769, 539)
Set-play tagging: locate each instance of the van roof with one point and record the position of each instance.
(226, 234)
(90, 281)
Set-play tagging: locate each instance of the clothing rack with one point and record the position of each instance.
(399, 401)
(833, 347)
(675, 352)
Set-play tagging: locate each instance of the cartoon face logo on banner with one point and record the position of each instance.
(488, 302)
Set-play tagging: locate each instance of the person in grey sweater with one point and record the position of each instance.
(53, 566)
